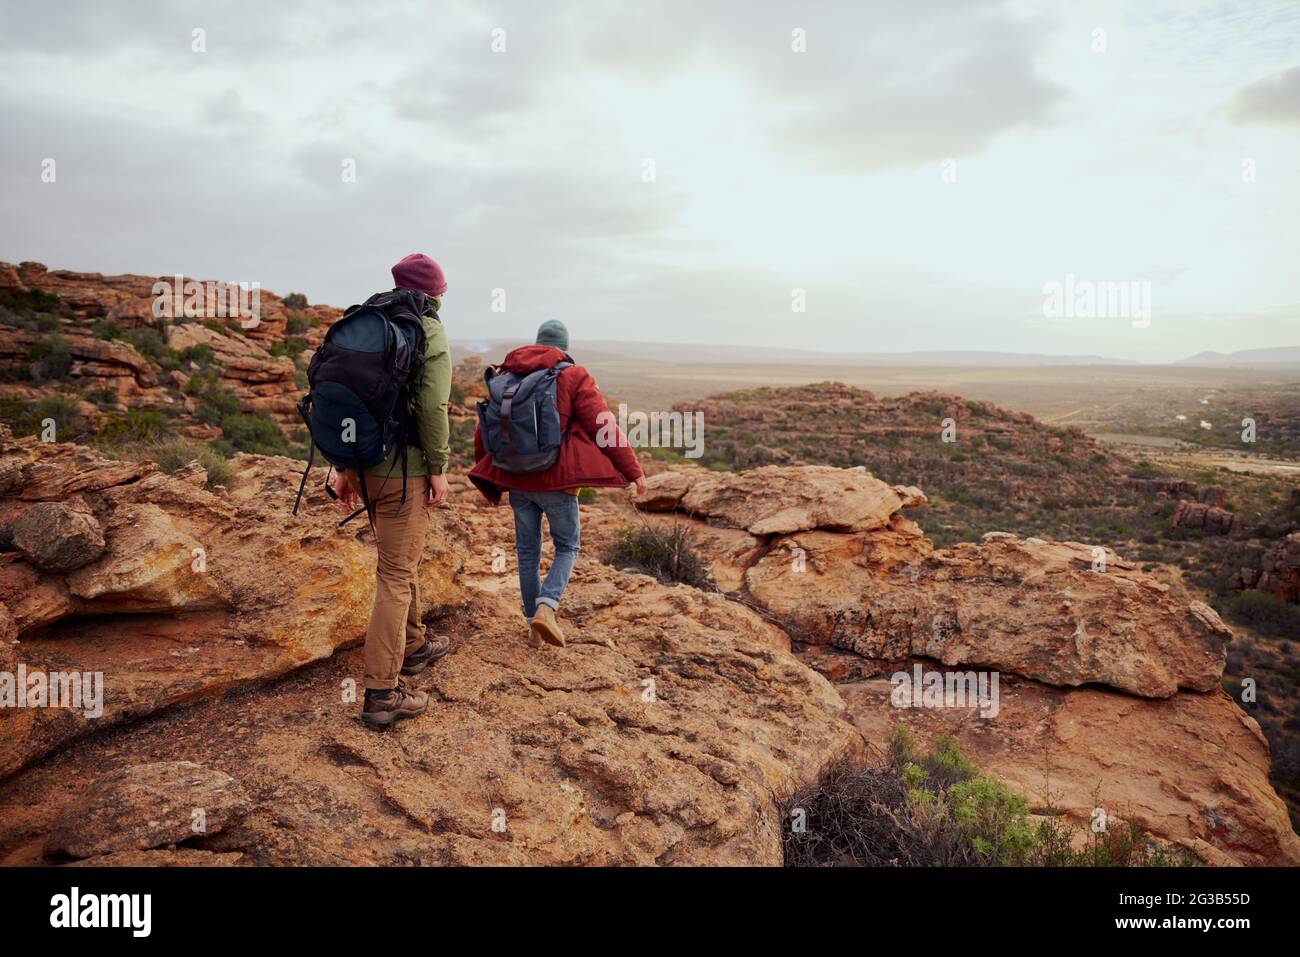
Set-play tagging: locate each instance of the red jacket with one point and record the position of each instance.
(582, 463)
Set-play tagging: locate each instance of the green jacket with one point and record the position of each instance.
(431, 455)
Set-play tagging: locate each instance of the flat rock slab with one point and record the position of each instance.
(776, 499)
(147, 806)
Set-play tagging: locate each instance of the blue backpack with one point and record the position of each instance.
(360, 401)
(519, 421)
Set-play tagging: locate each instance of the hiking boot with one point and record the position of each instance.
(381, 711)
(432, 649)
(545, 626)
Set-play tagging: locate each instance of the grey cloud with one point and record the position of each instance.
(1274, 99)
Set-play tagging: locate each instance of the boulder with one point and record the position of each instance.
(1023, 606)
(146, 806)
(782, 499)
(58, 537)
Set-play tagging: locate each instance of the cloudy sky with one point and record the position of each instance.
(674, 171)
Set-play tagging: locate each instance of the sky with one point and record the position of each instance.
(835, 175)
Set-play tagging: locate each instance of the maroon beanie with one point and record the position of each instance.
(417, 271)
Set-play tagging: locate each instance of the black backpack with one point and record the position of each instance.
(520, 418)
(360, 401)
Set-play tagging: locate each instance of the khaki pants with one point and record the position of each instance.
(395, 628)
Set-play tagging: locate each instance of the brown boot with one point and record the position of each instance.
(381, 711)
(432, 649)
(546, 627)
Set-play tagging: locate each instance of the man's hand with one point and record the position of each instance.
(347, 493)
(640, 485)
(437, 491)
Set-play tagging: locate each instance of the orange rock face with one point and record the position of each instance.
(1110, 676)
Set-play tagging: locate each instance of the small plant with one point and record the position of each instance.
(149, 342)
(49, 359)
(135, 426)
(178, 453)
(28, 418)
(106, 329)
(928, 808)
(586, 496)
(665, 551)
(1266, 613)
(295, 300)
(201, 355)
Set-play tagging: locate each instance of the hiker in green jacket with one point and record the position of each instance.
(396, 643)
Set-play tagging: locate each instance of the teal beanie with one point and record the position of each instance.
(552, 332)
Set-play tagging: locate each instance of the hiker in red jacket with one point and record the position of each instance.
(582, 462)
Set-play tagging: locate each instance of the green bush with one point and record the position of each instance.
(136, 425)
(151, 344)
(178, 453)
(1266, 613)
(936, 809)
(106, 329)
(586, 496)
(290, 347)
(295, 300)
(216, 403)
(252, 433)
(26, 418)
(201, 355)
(296, 325)
(33, 300)
(33, 309)
(665, 551)
(49, 359)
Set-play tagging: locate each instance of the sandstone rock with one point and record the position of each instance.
(664, 490)
(1027, 607)
(147, 806)
(11, 474)
(180, 857)
(1277, 570)
(665, 733)
(782, 499)
(1192, 768)
(152, 566)
(1031, 608)
(274, 592)
(57, 537)
(1216, 521)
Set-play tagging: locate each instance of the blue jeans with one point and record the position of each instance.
(561, 511)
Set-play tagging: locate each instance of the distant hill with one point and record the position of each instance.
(1276, 356)
(600, 349)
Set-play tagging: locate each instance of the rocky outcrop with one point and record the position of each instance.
(1088, 647)
(666, 732)
(129, 300)
(860, 576)
(240, 350)
(1277, 570)
(229, 587)
(775, 500)
(58, 536)
(1216, 521)
(146, 806)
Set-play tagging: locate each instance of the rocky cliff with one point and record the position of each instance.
(1110, 677)
(667, 732)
